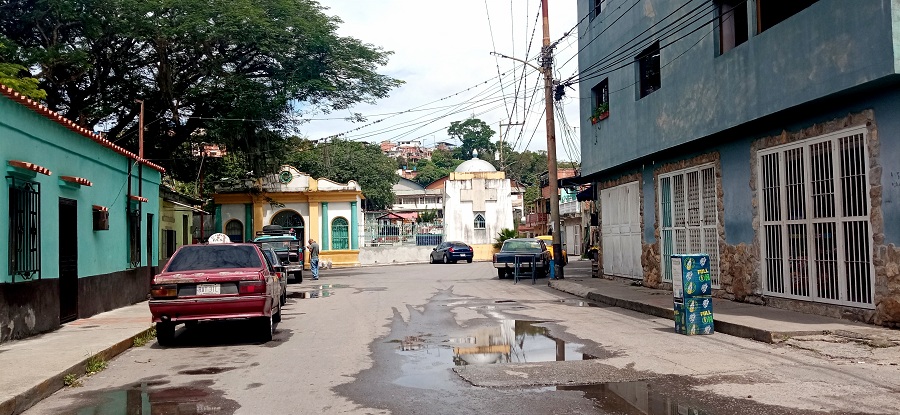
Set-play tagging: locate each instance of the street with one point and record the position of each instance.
(448, 339)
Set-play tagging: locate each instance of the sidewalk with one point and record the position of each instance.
(765, 324)
(34, 368)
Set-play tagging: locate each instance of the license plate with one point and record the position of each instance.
(207, 289)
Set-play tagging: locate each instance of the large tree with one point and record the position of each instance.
(474, 135)
(240, 71)
(342, 161)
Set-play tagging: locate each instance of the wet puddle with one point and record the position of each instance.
(206, 371)
(512, 341)
(633, 398)
(311, 294)
(195, 398)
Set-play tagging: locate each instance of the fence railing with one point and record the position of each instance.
(397, 234)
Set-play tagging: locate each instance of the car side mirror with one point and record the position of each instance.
(434, 249)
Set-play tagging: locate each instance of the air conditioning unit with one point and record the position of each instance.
(101, 219)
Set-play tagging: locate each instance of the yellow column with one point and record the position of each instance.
(314, 220)
(257, 215)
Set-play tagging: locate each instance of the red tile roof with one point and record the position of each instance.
(52, 115)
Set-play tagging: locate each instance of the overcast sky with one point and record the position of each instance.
(442, 52)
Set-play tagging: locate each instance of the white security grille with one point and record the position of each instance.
(688, 208)
(816, 238)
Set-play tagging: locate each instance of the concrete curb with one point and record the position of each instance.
(721, 326)
(20, 403)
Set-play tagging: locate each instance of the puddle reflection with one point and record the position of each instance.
(140, 399)
(633, 398)
(514, 341)
(311, 294)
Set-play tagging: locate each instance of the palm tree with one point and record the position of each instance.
(503, 235)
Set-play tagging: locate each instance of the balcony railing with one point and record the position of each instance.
(569, 208)
(536, 219)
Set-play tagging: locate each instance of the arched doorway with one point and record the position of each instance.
(235, 230)
(290, 219)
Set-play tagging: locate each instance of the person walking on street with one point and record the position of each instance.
(313, 258)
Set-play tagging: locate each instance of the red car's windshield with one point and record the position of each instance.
(203, 257)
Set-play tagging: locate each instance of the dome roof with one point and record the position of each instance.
(475, 165)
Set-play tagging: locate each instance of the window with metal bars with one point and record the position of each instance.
(688, 208)
(340, 238)
(134, 235)
(235, 230)
(815, 233)
(24, 229)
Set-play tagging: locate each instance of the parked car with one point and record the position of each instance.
(548, 240)
(219, 281)
(450, 252)
(526, 249)
(275, 263)
(288, 248)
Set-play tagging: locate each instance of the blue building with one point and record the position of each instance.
(78, 221)
(765, 133)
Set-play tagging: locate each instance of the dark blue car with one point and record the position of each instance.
(450, 252)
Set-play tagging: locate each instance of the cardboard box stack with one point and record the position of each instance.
(692, 293)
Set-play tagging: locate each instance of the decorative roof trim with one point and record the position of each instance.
(100, 208)
(138, 198)
(30, 166)
(65, 122)
(77, 180)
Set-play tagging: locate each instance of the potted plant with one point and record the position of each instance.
(600, 113)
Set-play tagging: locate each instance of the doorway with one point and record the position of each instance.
(68, 260)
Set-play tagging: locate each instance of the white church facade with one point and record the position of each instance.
(477, 205)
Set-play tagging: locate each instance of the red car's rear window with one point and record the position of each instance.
(203, 257)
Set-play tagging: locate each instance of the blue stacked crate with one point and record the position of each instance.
(692, 291)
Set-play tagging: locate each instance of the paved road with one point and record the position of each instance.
(448, 339)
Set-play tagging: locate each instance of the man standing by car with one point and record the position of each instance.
(313, 258)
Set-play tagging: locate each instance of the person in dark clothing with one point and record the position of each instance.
(313, 258)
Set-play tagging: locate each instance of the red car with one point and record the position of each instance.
(215, 282)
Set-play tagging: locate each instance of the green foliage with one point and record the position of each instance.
(17, 76)
(503, 235)
(342, 161)
(71, 380)
(145, 337)
(474, 135)
(95, 364)
(427, 216)
(532, 193)
(242, 71)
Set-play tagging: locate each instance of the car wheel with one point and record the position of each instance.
(283, 299)
(501, 273)
(265, 327)
(298, 277)
(469, 260)
(431, 259)
(446, 260)
(276, 317)
(165, 333)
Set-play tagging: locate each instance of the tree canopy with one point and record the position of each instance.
(474, 135)
(241, 72)
(342, 161)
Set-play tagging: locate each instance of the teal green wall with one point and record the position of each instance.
(354, 226)
(28, 136)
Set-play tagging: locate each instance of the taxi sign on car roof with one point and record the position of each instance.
(219, 238)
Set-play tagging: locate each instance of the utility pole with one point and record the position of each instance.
(546, 69)
(547, 65)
